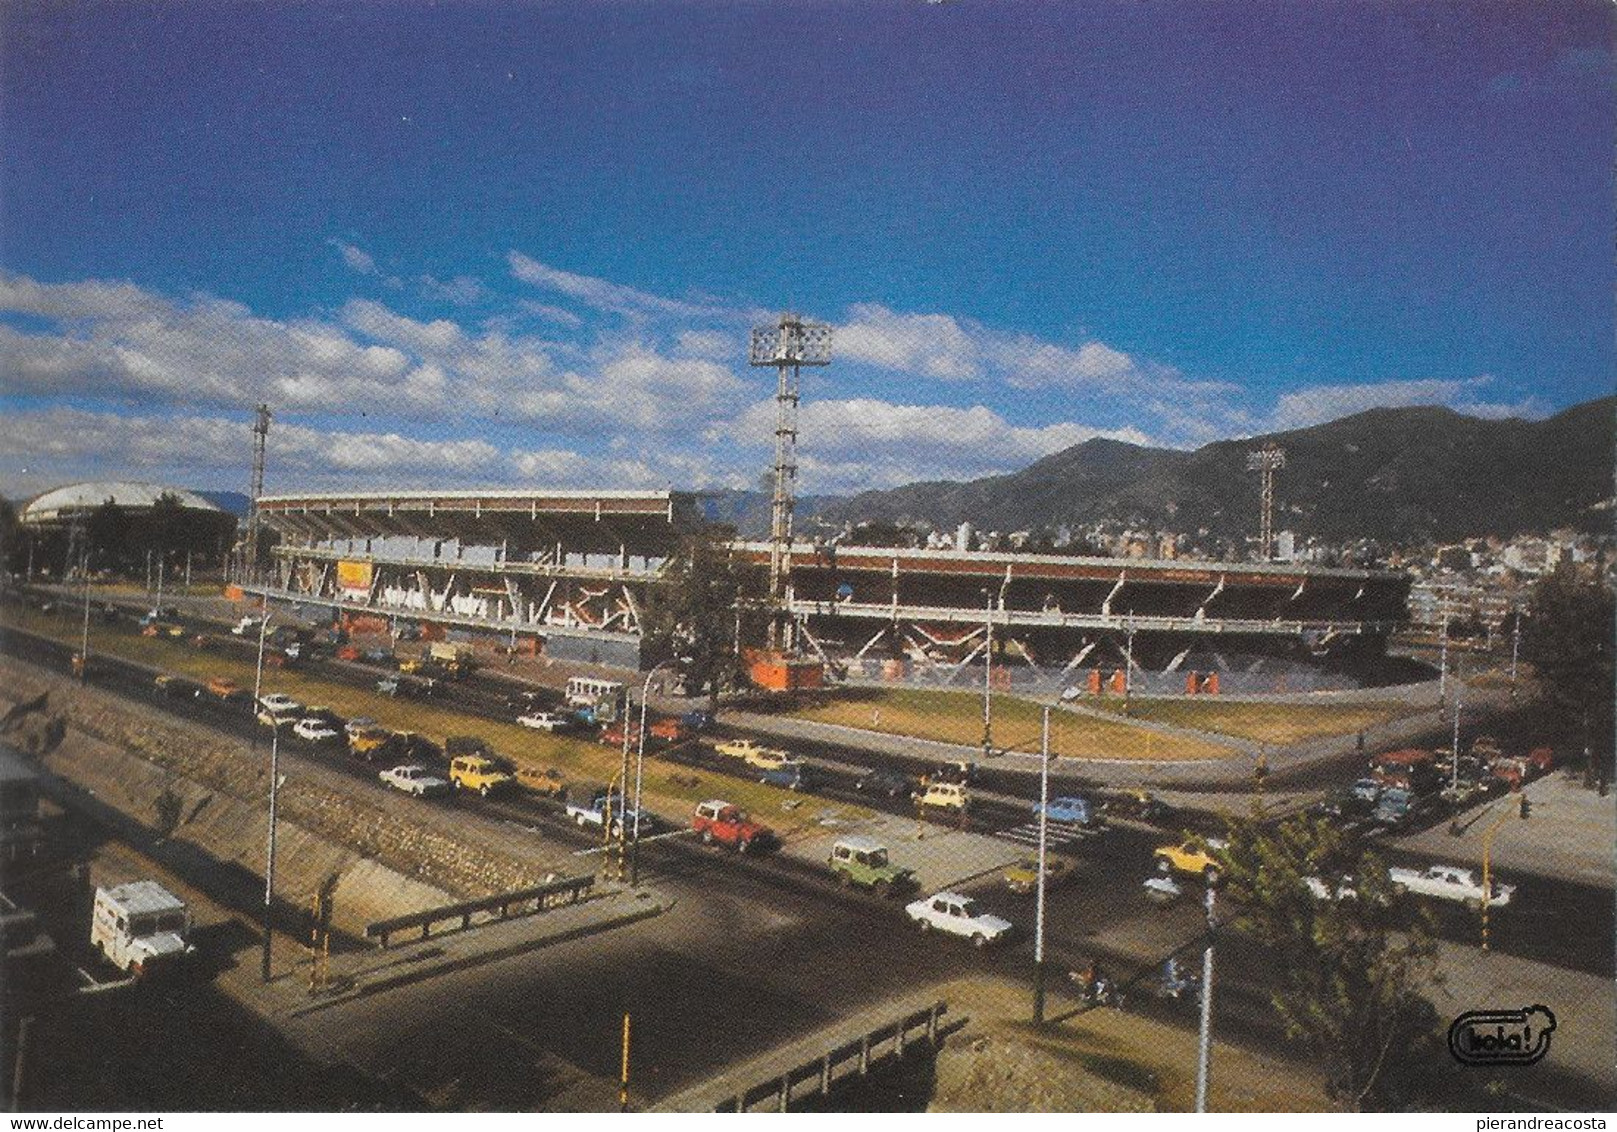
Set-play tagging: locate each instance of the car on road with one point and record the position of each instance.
(950, 796)
(1139, 804)
(168, 684)
(357, 724)
(224, 688)
(863, 861)
(551, 721)
(668, 729)
(616, 735)
(739, 748)
(417, 780)
(1450, 882)
(1194, 857)
(885, 784)
(246, 626)
(793, 774)
(1072, 809)
(479, 773)
(1023, 876)
(279, 704)
(547, 781)
(717, 822)
(958, 915)
(315, 729)
(592, 811)
(959, 772)
(767, 758)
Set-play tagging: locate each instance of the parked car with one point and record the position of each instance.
(670, 730)
(279, 704)
(1023, 877)
(697, 720)
(885, 784)
(224, 688)
(767, 758)
(1193, 858)
(958, 915)
(863, 861)
(1450, 882)
(417, 780)
(357, 724)
(1140, 804)
(719, 823)
(551, 721)
(168, 684)
(247, 626)
(314, 729)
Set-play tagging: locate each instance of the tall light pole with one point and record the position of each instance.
(1515, 647)
(1265, 461)
(1454, 753)
(1443, 659)
(988, 674)
(1204, 1043)
(1038, 907)
(639, 773)
(84, 641)
(269, 852)
(1128, 663)
(788, 345)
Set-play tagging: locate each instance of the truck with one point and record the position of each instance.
(140, 927)
(717, 822)
(457, 659)
(586, 811)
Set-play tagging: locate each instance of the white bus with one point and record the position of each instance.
(598, 698)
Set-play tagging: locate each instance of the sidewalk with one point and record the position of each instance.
(1571, 834)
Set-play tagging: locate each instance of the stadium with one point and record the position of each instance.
(569, 571)
(118, 522)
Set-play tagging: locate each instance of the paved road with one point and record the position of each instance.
(758, 952)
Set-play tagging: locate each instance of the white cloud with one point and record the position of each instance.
(356, 258)
(1321, 403)
(462, 290)
(554, 314)
(604, 295)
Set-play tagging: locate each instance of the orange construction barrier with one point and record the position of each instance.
(1193, 683)
(1210, 685)
(1094, 682)
(1118, 678)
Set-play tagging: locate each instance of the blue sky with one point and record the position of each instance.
(522, 244)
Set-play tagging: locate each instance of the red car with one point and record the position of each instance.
(612, 735)
(670, 730)
(720, 823)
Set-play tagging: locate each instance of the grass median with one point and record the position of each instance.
(957, 717)
(1278, 723)
(671, 789)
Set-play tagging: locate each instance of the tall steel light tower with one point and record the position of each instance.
(788, 345)
(261, 425)
(1265, 461)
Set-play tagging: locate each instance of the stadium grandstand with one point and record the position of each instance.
(118, 523)
(569, 571)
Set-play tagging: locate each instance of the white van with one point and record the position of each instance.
(140, 926)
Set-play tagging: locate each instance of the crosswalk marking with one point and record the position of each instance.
(1028, 834)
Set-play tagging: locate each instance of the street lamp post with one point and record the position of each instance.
(1515, 648)
(988, 673)
(1204, 1043)
(639, 774)
(1443, 660)
(1128, 664)
(84, 640)
(269, 854)
(1454, 751)
(1038, 908)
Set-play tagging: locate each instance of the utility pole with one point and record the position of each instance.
(269, 855)
(1443, 660)
(1515, 648)
(84, 641)
(1128, 664)
(1454, 753)
(1204, 1044)
(788, 345)
(1038, 913)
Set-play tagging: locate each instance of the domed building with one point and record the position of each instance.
(121, 523)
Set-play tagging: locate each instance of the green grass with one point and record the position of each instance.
(1279, 723)
(671, 789)
(957, 717)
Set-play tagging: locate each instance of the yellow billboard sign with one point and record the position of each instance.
(354, 576)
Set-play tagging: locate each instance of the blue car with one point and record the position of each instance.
(1071, 811)
(792, 776)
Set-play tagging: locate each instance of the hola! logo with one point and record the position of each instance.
(1502, 1037)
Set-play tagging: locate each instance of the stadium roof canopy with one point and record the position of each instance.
(80, 498)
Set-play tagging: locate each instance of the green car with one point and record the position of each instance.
(863, 861)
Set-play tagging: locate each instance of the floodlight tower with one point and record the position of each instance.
(261, 425)
(788, 345)
(1265, 461)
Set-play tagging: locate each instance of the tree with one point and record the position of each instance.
(1567, 638)
(109, 532)
(692, 620)
(1349, 969)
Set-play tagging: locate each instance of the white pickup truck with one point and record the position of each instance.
(586, 813)
(1450, 882)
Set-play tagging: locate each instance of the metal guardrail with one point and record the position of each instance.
(848, 1058)
(522, 902)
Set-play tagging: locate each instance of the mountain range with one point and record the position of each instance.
(1399, 475)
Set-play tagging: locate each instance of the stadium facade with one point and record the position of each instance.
(572, 569)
